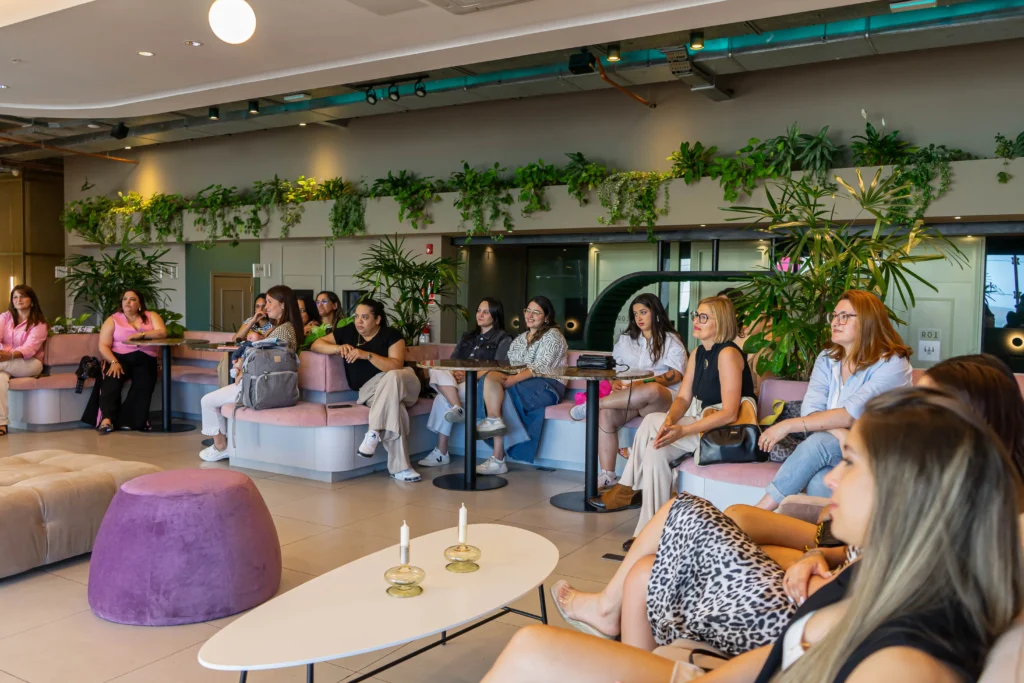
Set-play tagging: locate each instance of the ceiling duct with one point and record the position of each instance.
(691, 74)
(470, 6)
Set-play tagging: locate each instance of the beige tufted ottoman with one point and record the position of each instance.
(52, 503)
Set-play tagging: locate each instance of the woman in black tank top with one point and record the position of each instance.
(707, 384)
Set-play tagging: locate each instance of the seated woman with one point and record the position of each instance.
(515, 404)
(23, 338)
(124, 361)
(328, 305)
(283, 310)
(375, 366)
(717, 375)
(259, 324)
(310, 316)
(921, 475)
(487, 341)
(865, 358)
(649, 343)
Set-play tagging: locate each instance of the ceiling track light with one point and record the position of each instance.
(371, 96)
(214, 113)
(696, 40)
(119, 132)
(420, 89)
(254, 106)
(393, 94)
(614, 52)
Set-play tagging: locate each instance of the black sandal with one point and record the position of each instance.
(105, 428)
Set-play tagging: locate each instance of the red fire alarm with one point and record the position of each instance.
(430, 249)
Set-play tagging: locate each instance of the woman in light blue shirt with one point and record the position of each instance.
(865, 358)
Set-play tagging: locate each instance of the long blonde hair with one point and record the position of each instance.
(944, 528)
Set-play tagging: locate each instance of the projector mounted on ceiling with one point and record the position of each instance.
(470, 6)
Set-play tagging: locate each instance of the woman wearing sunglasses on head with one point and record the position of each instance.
(865, 357)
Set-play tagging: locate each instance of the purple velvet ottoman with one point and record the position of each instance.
(184, 546)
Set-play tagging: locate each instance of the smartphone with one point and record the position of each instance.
(340, 405)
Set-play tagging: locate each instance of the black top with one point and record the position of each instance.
(362, 371)
(943, 634)
(490, 346)
(707, 387)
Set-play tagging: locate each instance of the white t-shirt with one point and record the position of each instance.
(636, 354)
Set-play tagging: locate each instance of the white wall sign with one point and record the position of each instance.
(929, 345)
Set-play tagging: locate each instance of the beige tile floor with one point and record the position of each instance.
(48, 634)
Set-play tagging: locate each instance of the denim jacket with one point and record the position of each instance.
(827, 390)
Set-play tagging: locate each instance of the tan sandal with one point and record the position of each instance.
(580, 626)
(624, 452)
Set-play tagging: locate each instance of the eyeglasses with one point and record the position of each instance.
(530, 311)
(841, 318)
(702, 318)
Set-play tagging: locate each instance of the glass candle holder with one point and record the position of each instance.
(462, 558)
(405, 579)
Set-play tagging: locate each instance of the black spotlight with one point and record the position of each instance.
(614, 52)
(696, 40)
(393, 93)
(214, 113)
(421, 89)
(254, 106)
(581, 63)
(371, 96)
(119, 132)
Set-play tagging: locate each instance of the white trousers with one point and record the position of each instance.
(16, 367)
(213, 422)
(436, 422)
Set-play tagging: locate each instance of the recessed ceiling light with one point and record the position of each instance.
(3, 87)
(254, 107)
(128, 147)
(94, 126)
(956, 218)
(703, 225)
(145, 53)
(214, 113)
(193, 43)
(302, 124)
(233, 21)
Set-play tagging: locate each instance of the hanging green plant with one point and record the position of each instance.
(89, 219)
(582, 176)
(531, 181)
(483, 200)
(163, 217)
(216, 208)
(413, 194)
(739, 174)
(1008, 150)
(348, 214)
(918, 176)
(632, 197)
(691, 163)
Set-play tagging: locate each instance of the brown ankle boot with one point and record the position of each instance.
(616, 498)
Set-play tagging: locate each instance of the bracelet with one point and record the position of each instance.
(804, 423)
(648, 380)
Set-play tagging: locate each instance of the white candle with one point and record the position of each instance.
(463, 521)
(405, 535)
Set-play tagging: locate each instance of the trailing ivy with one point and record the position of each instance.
(348, 213)
(582, 176)
(531, 181)
(89, 218)
(484, 198)
(163, 217)
(413, 194)
(1008, 150)
(632, 197)
(216, 209)
(919, 173)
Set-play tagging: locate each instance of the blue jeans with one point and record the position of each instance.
(806, 467)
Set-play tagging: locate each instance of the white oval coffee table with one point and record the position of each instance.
(346, 612)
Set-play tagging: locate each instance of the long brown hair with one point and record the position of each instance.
(35, 314)
(661, 326)
(142, 303)
(549, 318)
(943, 534)
(877, 339)
(286, 296)
(987, 384)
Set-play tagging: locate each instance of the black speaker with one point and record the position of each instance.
(119, 132)
(581, 63)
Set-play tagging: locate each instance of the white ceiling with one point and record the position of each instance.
(68, 58)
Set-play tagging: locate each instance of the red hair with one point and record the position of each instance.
(877, 339)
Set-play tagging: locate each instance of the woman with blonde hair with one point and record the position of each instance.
(931, 496)
(864, 358)
(716, 375)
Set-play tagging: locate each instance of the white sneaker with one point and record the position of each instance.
(434, 459)
(607, 478)
(579, 413)
(492, 466)
(455, 414)
(490, 427)
(211, 454)
(407, 475)
(369, 445)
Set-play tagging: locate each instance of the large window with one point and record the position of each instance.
(1003, 317)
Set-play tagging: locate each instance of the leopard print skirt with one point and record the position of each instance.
(712, 584)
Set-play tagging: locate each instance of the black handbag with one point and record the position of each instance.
(735, 443)
(592, 361)
(88, 367)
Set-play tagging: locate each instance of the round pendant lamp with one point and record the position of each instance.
(233, 21)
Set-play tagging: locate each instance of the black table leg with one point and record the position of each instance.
(309, 673)
(242, 676)
(166, 426)
(469, 481)
(543, 605)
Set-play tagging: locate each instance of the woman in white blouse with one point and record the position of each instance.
(649, 343)
(515, 404)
